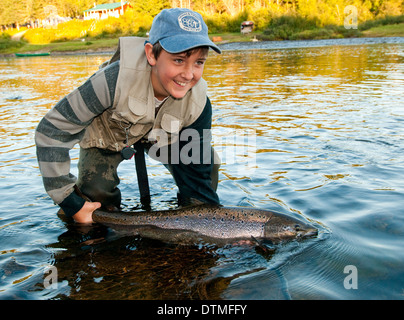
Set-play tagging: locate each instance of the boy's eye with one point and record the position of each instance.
(178, 60)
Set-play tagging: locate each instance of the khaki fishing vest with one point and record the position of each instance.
(134, 106)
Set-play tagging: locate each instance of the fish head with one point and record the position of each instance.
(284, 227)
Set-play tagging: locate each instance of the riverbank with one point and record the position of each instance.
(256, 45)
(288, 44)
(227, 41)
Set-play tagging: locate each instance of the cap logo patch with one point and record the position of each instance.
(190, 22)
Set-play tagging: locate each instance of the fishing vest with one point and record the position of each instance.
(133, 109)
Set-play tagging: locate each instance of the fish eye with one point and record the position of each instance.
(297, 227)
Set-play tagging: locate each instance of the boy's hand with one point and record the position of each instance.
(85, 215)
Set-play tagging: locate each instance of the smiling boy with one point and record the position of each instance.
(150, 92)
(174, 74)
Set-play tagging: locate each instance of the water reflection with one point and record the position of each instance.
(313, 131)
(149, 269)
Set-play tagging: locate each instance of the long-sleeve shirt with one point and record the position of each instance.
(65, 124)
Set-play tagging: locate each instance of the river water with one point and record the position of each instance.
(310, 130)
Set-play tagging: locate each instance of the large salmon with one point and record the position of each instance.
(209, 223)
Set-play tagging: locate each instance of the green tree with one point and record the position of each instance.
(220, 12)
(150, 7)
(75, 8)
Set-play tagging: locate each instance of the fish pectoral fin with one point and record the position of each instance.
(256, 241)
(266, 245)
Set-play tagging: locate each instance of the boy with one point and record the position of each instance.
(154, 94)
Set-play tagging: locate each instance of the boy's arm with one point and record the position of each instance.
(194, 179)
(64, 126)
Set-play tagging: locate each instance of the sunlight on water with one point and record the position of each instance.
(314, 131)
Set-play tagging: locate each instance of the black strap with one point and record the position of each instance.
(141, 171)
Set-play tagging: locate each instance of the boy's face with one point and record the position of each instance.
(174, 74)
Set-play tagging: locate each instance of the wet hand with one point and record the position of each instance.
(85, 215)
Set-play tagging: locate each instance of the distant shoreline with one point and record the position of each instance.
(257, 45)
(285, 44)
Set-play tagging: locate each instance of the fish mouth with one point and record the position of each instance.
(308, 234)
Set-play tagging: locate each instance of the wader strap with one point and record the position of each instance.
(141, 171)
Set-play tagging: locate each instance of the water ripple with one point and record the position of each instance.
(313, 132)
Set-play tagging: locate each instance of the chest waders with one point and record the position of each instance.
(98, 178)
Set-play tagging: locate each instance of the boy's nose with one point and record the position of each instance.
(188, 73)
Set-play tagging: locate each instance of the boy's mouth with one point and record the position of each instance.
(182, 84)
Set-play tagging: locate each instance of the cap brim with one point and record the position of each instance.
(181, 43)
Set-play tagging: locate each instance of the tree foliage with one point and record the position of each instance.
(222, 15)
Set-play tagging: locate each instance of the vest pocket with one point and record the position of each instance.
(171, 124)
(137, 107)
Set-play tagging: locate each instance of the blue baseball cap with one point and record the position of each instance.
(179, 30)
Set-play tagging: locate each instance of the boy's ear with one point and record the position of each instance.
(148, 49)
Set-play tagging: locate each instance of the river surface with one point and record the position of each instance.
(309, 130)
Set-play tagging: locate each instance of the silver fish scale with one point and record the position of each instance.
(214, 222)
(213, 227)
